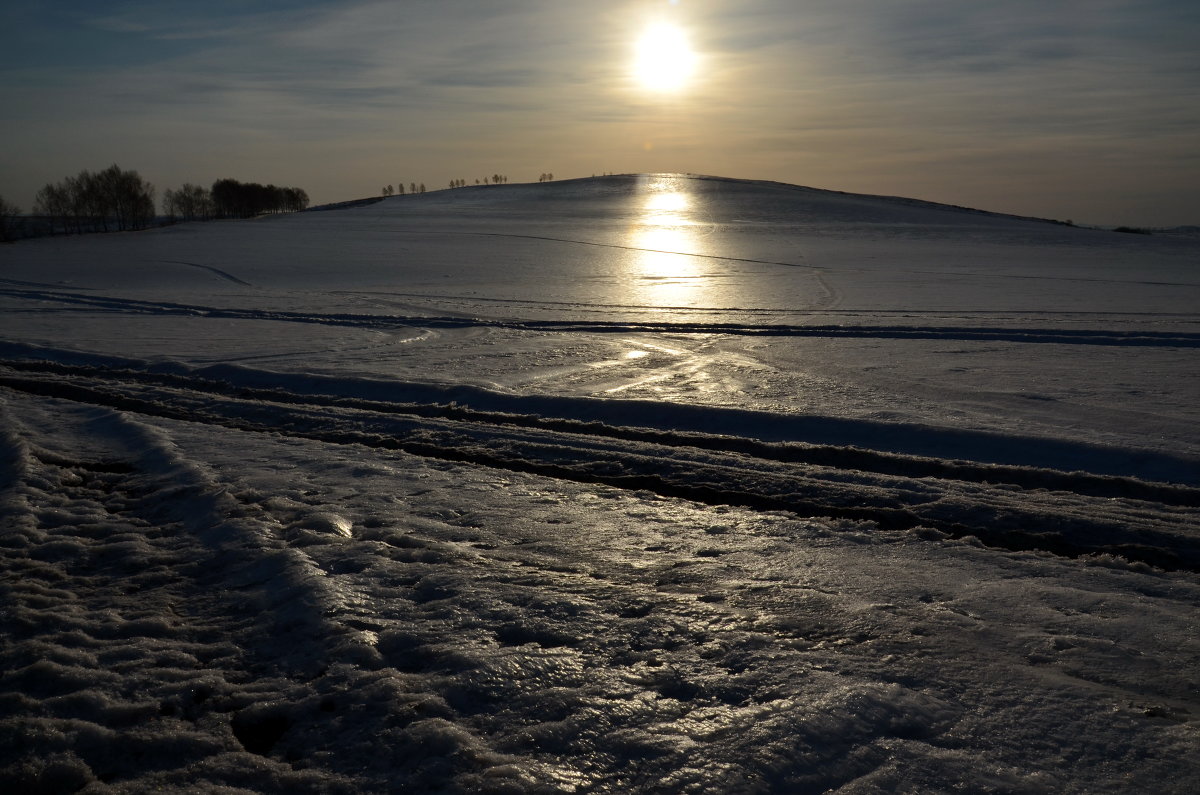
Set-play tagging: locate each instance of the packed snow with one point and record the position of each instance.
(651, 483)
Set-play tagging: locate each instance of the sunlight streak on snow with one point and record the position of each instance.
(663, 271)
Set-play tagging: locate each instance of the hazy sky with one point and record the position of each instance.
(1081, 109)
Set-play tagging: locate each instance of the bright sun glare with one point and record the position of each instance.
(664, 58)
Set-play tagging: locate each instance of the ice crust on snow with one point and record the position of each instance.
(636, 484)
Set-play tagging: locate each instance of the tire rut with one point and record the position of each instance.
(721, 472)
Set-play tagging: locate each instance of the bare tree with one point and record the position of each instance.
(52, 201)
(8, 212)
(122, 196)
(197, 202)
(189, 203)
(296, 199)
(91, 202)
(233, 199)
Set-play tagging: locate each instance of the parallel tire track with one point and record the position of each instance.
(1015, 508)
(833, 456)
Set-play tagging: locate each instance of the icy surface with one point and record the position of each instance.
(634, 484)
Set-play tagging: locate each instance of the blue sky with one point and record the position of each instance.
(1069, 109)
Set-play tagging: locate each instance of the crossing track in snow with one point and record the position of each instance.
(229, 277)
(1052, 336)
(1015, 507)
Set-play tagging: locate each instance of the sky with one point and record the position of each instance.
(1086, 110)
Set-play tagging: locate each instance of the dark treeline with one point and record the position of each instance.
(189, 203)
(229, 198)
(233, 199)
(119, 200)
(494, 179)
(104, 201)
(8, 216)
(413, 187)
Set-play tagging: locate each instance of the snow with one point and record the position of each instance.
(632, 484)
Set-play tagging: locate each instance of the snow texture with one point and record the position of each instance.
(634, 484)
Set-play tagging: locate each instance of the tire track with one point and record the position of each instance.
(1094, 518)
(845, 457)
(223, 274)
(648, 250)
(1140, 338)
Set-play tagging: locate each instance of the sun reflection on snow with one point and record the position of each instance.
(667, 204)
(664, 237)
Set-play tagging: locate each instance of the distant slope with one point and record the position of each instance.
(718, 199)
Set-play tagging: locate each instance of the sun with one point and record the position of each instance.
(665, 59)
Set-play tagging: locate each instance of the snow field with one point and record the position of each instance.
(653, 484)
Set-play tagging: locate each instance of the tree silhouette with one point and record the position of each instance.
(233, 199)
(189, 203)
(54, 201)
(8, 214)
(296, 199)
(91, 202)
(170, 200)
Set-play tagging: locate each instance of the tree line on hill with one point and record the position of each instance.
(98, 202)
(229, 198)
(494, 179)
(413, 187)
(121, 200)
(233, 199)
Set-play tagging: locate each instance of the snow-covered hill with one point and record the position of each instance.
(652, 483)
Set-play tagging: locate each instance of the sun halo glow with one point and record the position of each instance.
(665, 59)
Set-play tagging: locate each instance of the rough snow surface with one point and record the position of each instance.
(645, 484)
